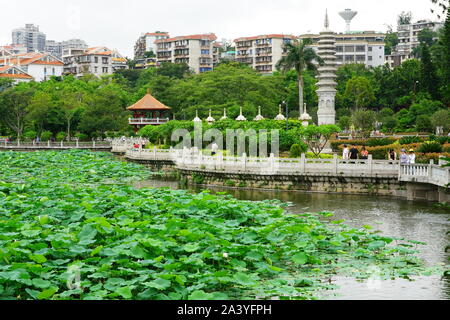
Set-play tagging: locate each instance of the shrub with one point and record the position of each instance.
(426, 157)
(311, 155)
(430, 147)
(336, 144)
(446, 147)
(441, 140)
(61, 136)
(30, 135)
(297, 150)
(374, 142)
(410, 140)
(82, 136)
(46, 135)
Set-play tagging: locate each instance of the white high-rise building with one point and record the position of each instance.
(408, 38)
(197, 51)
(30, 37)
(263, 52)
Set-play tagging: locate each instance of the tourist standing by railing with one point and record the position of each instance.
(412, 157)
(404, 158)
(346, 153)
(364, 153)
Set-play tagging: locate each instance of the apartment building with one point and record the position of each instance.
(30, 37)
(146, 43)
(365, 47)
(40, 66)
(96, 60)
(408, 40)
(263, 52)
(197, 51)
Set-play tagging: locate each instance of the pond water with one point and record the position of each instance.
(420, 221)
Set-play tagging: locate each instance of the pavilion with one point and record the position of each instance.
(148, 111)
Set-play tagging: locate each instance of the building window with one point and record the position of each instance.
(105, 69)
(205, 51)
(370, 58)
(96, 59)
(105, 60)
(370, 49)
(96, 69)
(349, 49)
(360, 48)
(339, 49)
(53, 71)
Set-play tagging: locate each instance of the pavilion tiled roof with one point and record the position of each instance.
(148, 102)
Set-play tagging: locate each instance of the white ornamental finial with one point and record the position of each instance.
(327, 21)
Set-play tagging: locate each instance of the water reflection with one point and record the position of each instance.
(419, 221)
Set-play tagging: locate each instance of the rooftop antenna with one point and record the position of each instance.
(348, 16)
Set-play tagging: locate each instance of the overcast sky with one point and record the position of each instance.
(117, 24)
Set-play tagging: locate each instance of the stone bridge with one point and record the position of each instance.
(381, 177)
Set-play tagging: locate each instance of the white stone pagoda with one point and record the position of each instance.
(326, 91)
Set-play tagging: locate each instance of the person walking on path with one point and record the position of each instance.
(346, 153)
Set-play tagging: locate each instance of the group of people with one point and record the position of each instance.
(354, 154)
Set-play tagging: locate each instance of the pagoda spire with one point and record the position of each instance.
(327, 21)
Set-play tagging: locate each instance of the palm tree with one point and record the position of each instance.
(300, 57)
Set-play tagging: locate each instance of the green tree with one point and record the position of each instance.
(364, 120)
(359, 92)
(173, 70)
(105, 112)
(404, 18)
(391, 41)
(423, 124)
(429, 79)
(441, 118)
(317, 137)
(39, 109)
(14, 107)
(299, 57)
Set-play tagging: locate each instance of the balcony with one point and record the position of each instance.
(147, 121)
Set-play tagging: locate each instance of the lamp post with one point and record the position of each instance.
(415, 85)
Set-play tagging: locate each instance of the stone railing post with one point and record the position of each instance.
(220, 160)
(34, 143)
(93, 143)
(370, 163)
(62, 144)
(335, 163)
(48, 143)
(303, 163)
(430, 169)
(272, 162)
(78, 143)
(244, 162)
(155, 150)
(18, 142)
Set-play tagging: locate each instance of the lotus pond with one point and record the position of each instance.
(72, 226)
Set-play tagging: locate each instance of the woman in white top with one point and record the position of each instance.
(346, 153)
(412, 157)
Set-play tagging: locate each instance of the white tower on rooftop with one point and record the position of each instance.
(348, 16)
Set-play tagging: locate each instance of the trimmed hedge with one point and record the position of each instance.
(426, 157)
